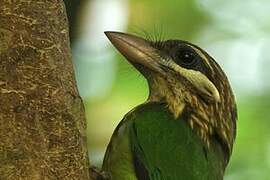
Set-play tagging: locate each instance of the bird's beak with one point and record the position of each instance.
(138, 51)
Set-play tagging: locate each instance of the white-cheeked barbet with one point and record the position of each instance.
(186, 128)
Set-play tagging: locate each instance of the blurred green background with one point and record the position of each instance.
(235, 32)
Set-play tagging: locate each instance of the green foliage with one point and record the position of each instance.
(170, 18)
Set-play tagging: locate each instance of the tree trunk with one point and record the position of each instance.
(42, 121)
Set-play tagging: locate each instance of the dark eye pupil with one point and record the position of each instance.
(185, 57)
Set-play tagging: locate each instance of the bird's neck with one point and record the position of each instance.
(201, 116)
(161, 91)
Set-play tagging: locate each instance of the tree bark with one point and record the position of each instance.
(42, 120)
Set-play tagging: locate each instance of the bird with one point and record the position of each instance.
(186, 128)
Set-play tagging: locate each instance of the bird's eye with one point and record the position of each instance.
(185, 57)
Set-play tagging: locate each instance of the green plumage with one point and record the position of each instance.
(149, 144)
(186, 128)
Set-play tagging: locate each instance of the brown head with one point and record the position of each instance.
(188, 80)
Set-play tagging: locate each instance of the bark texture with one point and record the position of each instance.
(42, 121)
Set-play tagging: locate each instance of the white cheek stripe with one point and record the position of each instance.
(199, 80)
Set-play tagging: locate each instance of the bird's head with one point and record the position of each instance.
(188, 80)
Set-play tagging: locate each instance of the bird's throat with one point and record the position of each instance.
(161, 91)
